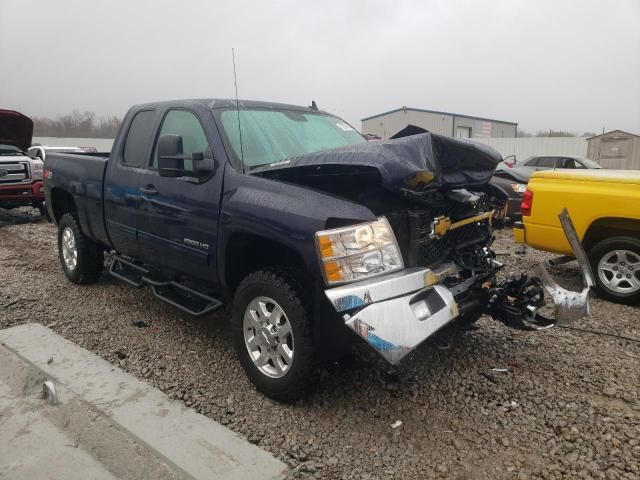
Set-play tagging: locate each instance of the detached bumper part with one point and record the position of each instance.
(570, 305)
(515, 310)
(398, 311)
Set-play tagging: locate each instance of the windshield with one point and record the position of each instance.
(588, 163)
(9, 150)
(269, 136)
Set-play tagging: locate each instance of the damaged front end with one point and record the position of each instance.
(443, 226)
(428, 260)
(397, 312)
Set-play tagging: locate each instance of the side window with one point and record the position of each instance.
(532, 163)
(194, 140)
(138, 139)
(548, 162)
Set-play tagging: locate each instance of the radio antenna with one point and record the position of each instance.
(235, 82)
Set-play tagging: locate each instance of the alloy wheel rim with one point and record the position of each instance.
(619, 271)
(268, 337)
(69, 249)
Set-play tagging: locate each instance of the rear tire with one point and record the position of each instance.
(81, 258)
(272, 334)
(616, 267)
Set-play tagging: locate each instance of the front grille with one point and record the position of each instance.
(14, 173)
(434, 250)
(425, 251)
(25, 192)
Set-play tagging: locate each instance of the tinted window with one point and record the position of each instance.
(567, 163)
(549, 162)
(532, 163)
(138, 139)
(8, 149)
(194, 140)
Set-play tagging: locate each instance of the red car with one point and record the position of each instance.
(20, 175)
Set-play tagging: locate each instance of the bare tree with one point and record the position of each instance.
(76, 124)
(555, 133)
(524, 133)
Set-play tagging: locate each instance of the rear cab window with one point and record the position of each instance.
(138, 139)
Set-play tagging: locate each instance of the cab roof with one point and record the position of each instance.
(215, 103)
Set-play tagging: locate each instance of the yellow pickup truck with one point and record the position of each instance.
(605, 209)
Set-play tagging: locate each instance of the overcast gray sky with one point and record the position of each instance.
(560, 64)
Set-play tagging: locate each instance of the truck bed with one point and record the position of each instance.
(82, 175)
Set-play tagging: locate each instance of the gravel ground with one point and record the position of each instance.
(568, 406)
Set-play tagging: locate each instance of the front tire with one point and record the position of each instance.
(272, 334)
(82, 259)
(616, 266)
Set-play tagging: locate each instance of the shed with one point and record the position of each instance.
(615, 149)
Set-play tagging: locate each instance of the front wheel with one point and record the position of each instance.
(272, 334)
(81, 258)
(616, 266)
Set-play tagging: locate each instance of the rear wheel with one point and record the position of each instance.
(81, 258)
(272, 334)
(616, 266)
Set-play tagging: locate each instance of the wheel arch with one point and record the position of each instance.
(608, 227)
(246, 252)
(62, 202)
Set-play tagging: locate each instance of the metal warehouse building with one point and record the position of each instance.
(387, 124)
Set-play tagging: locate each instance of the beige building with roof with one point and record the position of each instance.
(615, 149)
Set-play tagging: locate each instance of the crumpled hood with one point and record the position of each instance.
(418, 162)
(15, 129)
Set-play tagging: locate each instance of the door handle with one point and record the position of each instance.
(149, 190)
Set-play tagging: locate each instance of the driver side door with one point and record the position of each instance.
(178, 216)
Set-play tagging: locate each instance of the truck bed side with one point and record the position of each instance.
(79, 177)
(588, 201)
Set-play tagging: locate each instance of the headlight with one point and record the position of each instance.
(36, 169)
(358, 252)
(519, 187)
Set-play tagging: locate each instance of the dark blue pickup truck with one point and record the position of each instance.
(287, 214)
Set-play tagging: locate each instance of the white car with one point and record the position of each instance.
(40, 151)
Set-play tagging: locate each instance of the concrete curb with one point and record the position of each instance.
(191, 442)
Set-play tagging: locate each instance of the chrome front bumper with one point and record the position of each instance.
(398, 311)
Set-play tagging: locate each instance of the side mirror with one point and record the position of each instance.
(170, 158)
